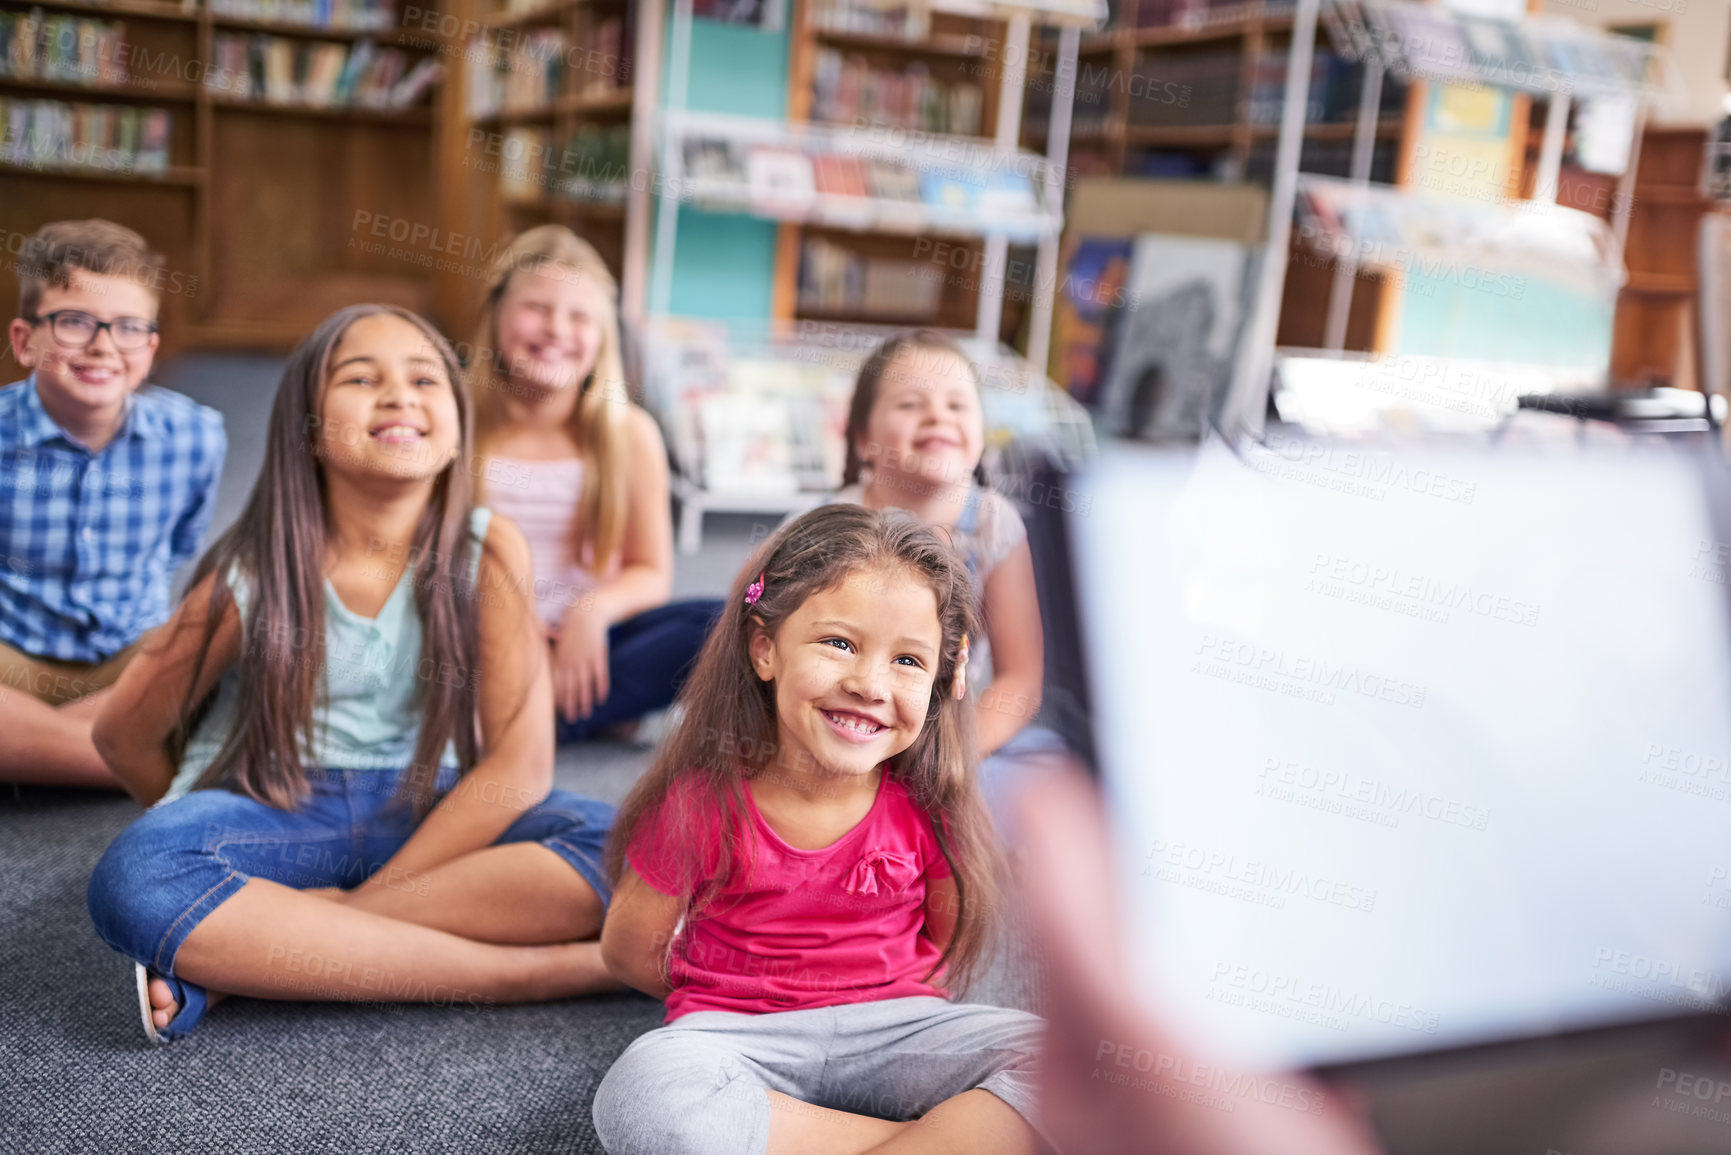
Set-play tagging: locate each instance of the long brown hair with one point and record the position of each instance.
(871, 375)
(598, 419)
(277, 546)
(729, 734)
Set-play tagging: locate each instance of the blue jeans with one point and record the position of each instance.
(182, 859)
(648, 657)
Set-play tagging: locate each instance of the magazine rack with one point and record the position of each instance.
(1546, 57)
(950, 185)
(754, 414)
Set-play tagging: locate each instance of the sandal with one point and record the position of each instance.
(191, 1000)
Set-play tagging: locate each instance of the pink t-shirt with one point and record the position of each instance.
(805, 928)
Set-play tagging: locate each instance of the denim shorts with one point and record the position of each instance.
(183, 858)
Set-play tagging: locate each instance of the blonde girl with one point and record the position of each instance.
(583, 472)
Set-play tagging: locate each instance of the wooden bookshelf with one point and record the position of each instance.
(478, 202)
(1654, 335)
(955, 50)
(256, 210)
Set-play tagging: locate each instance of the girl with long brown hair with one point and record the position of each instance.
(583, 472)
(345, 724)
(808, 864)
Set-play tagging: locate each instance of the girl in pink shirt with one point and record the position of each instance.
(807, 866)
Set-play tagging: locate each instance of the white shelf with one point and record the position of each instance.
(1543, 55)
(920, 153)
(1400, 231)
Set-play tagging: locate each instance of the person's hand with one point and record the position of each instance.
(580, 664)
(1115, 1083)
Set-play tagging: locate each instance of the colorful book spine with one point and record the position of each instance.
(361, 15)
(105, 137)
(69, 49)
(847, 89)
(318, 74)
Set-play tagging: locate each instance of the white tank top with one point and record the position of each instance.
(541, 497)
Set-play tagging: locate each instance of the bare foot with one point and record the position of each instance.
(163, 1008)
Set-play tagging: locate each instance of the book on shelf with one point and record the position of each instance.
(360, 15)
(848, 89)
(840, 175)
(596, 164)
(892, 182)
(534, 70)
(519, 178)
(910, 22)
(69, 49)
(1335, 87)
(483, 86)
(747, 443)
(1186, 89)
(983, 193)
(318, 74)
(714, 159)
(62, 134)
(607, 61)
(780, 179)
(1194, 13)
(833, 279)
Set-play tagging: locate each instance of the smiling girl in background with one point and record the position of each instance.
(583, 472)
(915, 439)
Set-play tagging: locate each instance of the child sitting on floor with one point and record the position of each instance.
(808, 865)
(348, 716)
(106, 489)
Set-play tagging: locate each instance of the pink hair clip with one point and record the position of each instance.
(754, 591)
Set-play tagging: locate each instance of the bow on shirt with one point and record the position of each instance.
(890, 871)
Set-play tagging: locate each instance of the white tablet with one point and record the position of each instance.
(1413, 749)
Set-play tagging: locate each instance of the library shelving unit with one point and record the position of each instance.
(252, 200)
(915, 71)
(752, 411)
(550, 92)
(1556, 62)
(754, 414)
(1192, 89)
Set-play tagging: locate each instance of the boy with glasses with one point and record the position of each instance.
(105, 491)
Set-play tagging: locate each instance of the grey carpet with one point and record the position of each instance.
(76, 1074)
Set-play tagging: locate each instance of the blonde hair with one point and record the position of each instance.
(598, 419)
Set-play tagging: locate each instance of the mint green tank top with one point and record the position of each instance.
(367, 718)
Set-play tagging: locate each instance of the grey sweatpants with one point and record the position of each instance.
(700, 1083)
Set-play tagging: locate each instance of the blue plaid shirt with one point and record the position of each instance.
(90, 542)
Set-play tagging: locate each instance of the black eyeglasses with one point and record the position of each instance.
(76, 329)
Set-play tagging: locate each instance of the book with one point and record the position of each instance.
(416, 83)
(60, 134)
(70, 49)
(715, 159)
(780, 179)
(889, 181)
(839, 175)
